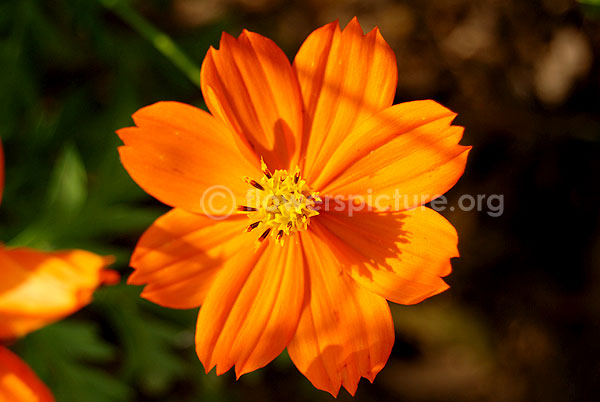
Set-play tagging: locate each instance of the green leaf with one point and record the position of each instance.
(70, 357)
(68, 185)
(149, 342)
(67, 193)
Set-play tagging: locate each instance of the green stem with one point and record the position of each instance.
(161, 41)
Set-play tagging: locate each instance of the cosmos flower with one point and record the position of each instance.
(18, 383)
(36, 289)
(297, 204)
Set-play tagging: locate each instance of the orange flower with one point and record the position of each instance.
(18, 383)
(38, 288)
(309, 276)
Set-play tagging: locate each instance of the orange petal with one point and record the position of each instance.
(186, 158)
(178, 257)
(18, 383)
(400, 256)
(402, 157)
(37, 288)
(250, 85)
(345, 78)
(252, 309)
(345, 331)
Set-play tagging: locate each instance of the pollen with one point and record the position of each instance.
(279, 205)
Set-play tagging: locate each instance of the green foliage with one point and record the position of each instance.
(590, 8)
(73, 73)
(148, 342)
(69, 357)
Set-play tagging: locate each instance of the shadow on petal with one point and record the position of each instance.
(401, 256)
(178, 257)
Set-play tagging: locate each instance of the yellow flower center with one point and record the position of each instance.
(280, 205)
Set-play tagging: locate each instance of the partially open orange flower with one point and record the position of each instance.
(288, 269)
(36, 289)
(18, 383)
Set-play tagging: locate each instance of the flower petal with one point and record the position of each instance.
(345, 331)
(252, 309)
(410, 152)
(18, 383)
(186, 158)
(345, 77)
(178, 257)
(400, 256)
(37, 288)
(249, 84)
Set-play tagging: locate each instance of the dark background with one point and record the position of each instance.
(521, 321)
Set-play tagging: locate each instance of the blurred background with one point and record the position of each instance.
(521, 321)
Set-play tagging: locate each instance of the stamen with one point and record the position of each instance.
(243, 208)
(252, 226)
(254, 183)
(265, 169)
(284, 206)
(264, 235)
